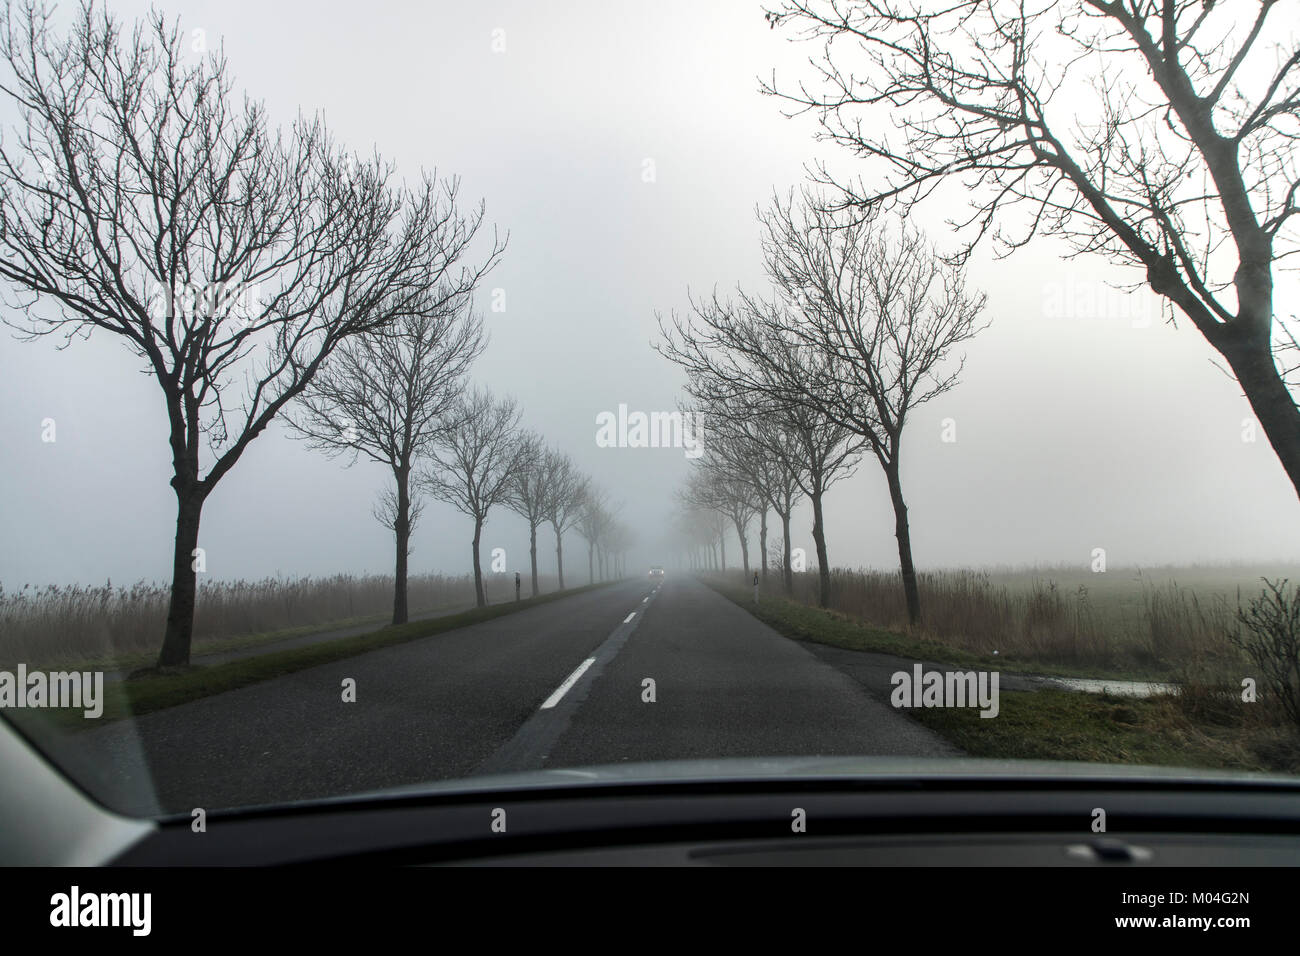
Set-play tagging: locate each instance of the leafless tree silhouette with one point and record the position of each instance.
(761, 444)
(591, 521)
(566, 491)
(390, 397)
(740, 354)
(526, 495)
(1159, 134)
(889, 313)
(139, 197)
(473, 470)
(723, 480)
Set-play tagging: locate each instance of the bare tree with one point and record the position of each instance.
(474, 469)
(714, 525)
(778, 480)
(742, 353)
(1161, 135)
(747, 463)
(390, 397)
(527, 494)
(759, 444)
(888, 312)
(828, 452)
(723, 483)
(566, 491)
(138, 197)
(591, 521)
(718, 497)
(605, 521)
(620, 541)
(693, 536)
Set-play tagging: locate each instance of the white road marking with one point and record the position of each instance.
(644, 600)
(568, 682)
(629, 617)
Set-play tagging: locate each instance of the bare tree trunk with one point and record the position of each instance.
(823, 565)
(762, 543)
(1271, 401)
(591, 566)
(559, 556)
(532, 553)
(722, 546)
(479, 597)
(788, 572)
(402, 532)
(904, 536)
(744, 549)
(180, 612)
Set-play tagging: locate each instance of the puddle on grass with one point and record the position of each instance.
(1119, 688)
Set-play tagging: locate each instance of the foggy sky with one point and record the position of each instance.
(1082, 420)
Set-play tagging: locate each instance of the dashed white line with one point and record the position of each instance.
(576, 675)
(568, 682)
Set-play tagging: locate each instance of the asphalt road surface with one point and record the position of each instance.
(565, 684)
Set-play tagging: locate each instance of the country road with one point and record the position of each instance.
(559, 685)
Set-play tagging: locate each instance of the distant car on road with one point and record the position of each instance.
(656, 573)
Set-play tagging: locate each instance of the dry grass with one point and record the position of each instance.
(53, 623)
(1142, 624)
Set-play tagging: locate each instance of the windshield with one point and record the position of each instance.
(490, 389)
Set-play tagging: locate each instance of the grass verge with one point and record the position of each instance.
(150, 692)
(1065, 725)
(219, 645)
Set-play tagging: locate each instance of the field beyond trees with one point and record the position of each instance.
(105, 625)
(1155, 623)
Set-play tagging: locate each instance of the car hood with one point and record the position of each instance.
(850, 770)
